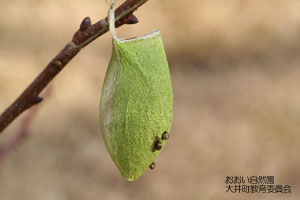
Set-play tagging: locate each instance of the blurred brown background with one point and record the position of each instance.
(235, 70)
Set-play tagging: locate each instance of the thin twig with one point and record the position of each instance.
(85, 35)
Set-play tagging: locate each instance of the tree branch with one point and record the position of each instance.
(85, 35)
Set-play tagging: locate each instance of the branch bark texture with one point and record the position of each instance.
(85, 35)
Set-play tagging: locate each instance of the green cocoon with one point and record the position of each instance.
(136, 105)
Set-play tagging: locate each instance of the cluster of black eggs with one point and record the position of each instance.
(158, 145)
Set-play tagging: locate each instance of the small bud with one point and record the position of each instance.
(86, 22)
(37, 100)
(131, 19)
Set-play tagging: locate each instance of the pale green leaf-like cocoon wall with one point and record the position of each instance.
(136, 103)
(136, 107)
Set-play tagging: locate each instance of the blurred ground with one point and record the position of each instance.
(235, 70)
